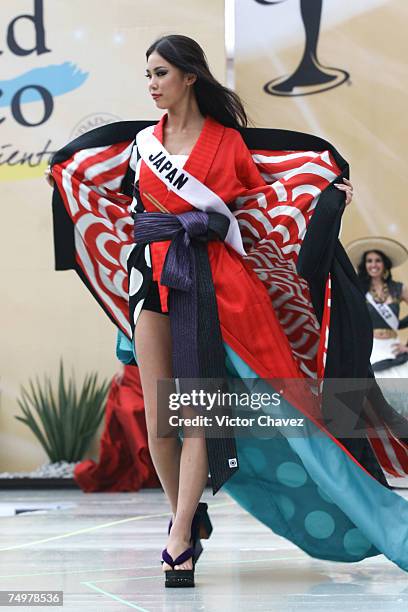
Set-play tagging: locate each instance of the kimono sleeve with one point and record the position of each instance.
(281, 190)
(93, 227)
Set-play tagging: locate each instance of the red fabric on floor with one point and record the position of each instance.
(124, 460)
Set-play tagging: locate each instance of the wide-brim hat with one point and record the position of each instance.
(396, 251)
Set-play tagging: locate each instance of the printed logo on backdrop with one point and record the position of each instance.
(310, 77)
(91, 122)
(41, 84)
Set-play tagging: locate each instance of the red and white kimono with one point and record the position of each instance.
(221, 160)
(288, 307)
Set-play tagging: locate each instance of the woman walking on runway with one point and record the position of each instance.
(233, 270)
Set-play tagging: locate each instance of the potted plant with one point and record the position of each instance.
(64, 421)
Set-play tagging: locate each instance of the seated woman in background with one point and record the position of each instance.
(374, 259)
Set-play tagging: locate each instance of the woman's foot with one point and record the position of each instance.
(176, 544)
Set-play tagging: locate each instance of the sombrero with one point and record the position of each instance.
(393, 249)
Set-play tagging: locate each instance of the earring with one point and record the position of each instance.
(386, 274)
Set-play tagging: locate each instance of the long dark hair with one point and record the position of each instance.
(213, 99)
(365, 278)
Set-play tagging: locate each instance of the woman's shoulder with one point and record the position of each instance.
(232, 138)
(233, 133)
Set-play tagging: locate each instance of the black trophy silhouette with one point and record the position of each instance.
(310, 76)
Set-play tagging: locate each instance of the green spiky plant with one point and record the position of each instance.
(64, 421)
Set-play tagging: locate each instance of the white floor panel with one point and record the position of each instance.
(103, 550)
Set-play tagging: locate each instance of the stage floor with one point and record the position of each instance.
(103, 550)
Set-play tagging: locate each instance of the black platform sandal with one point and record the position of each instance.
(201, 528)
(179, 578)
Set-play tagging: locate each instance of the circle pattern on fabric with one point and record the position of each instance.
(255, 457)
(286, 506)
(147, 256)
(324, 496)
(135, 282)
(137, 310)
(355, 543)
(291, 474)
(319, 524)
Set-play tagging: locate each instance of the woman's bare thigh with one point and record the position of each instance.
(153, 350)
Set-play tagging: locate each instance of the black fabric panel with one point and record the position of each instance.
(63, 229)
(319, 245)
(350, 337)
(403, 323)
(127, 186)
(377, 320)
(384, 364)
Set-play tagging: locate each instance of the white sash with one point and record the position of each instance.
(184, 184)
(384, 311)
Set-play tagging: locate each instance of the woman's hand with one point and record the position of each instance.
(398, 348)
(347, 188)
(48, 176)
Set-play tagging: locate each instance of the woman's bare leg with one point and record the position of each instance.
(192, 481)
(183, 475)
(153, 350)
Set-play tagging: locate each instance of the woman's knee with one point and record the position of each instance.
(162, 442)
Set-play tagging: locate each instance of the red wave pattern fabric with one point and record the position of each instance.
(280, 189)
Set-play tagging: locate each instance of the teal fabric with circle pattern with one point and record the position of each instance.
(308, 490)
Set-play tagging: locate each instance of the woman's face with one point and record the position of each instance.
(166, 81)
(374, 265)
